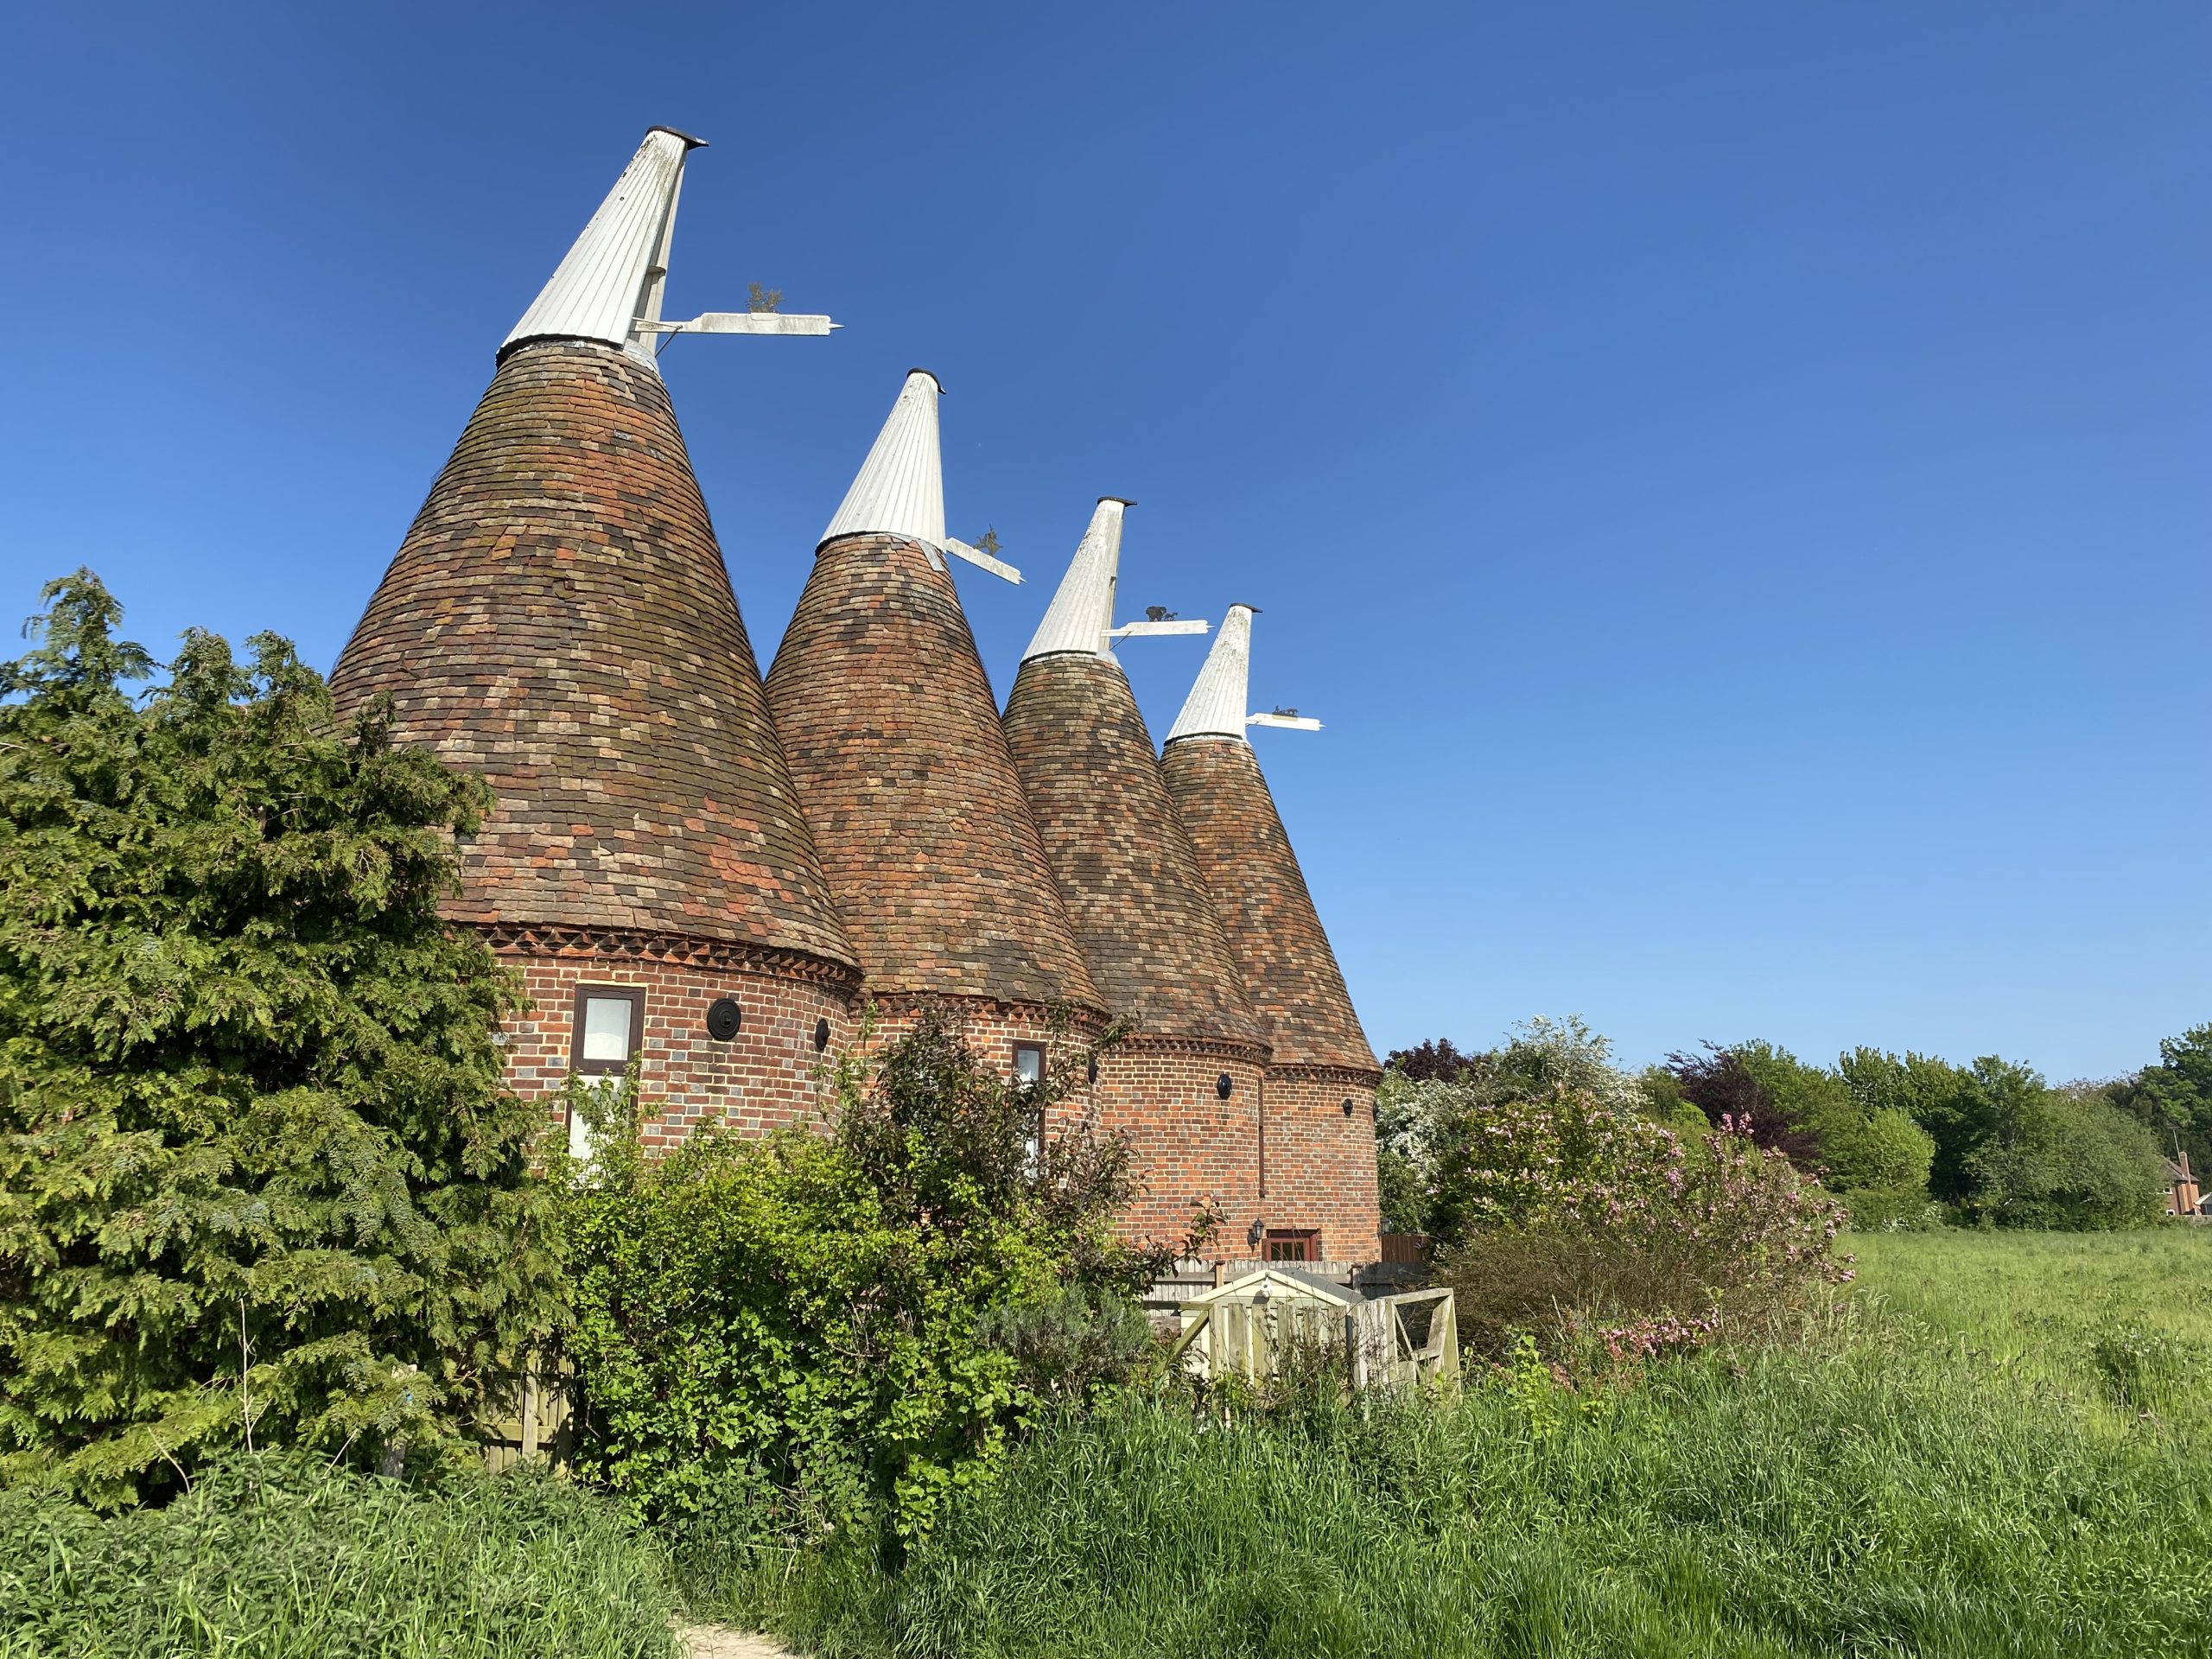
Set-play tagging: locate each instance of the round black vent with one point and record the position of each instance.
(820, 1035)
(1221, 1085)
(1347, 1108)
(723, 1019)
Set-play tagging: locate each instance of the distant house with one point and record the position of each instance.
(2185, 1199)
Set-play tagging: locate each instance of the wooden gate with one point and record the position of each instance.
(1393, 1341)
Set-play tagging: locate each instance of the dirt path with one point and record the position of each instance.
(719, 1642)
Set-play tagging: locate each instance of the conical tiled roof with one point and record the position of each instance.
(559, 621)
(1126, 868)
(1245, 857)
(902, 765)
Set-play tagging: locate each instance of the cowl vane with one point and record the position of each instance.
(609, 286)
(1081, 616)
(1216, 705)
(900, 490)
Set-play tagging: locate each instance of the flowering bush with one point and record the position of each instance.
(1423, 1109)
(1595, 1226)
(1561, 1157)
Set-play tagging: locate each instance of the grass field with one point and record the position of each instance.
(2114, 1319)
(1997, 1445)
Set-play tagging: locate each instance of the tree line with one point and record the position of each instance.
(1908, 1140)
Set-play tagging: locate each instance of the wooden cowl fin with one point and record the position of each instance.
(559, 621)
(1141, 911)
(902, 766)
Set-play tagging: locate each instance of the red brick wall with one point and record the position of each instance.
(1321, 1163)
(1192, 1146)
(761, 1079)
(1280, 1150)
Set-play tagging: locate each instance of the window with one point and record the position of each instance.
(1028, 1073)
(1292, 1244)
(609, 1027)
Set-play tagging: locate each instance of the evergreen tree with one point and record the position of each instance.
(259, 1177)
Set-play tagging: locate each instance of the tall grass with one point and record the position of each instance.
(1995, 1445)
(269, 1560)
(1887, 1485)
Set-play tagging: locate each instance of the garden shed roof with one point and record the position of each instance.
(1276, 1282)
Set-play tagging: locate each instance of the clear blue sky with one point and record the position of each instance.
(1731, 477)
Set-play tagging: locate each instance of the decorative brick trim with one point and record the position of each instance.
(1083, 1023)
(1350, 1077)
(543, 940)
(1254, 1054)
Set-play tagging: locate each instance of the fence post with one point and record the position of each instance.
(529, 1408)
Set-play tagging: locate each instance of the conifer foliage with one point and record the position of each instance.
(259, 1181)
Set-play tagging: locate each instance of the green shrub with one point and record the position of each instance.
(1433, 1099)
(259, 1177)
(1566, 1156)
(1902, 1208)
(807, 1332)
(2060, 1160)
(2012, 1151)
(1071, 1344)
(1880, 1151)
(271, 1558)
